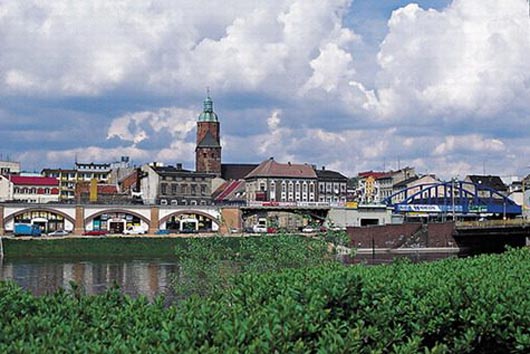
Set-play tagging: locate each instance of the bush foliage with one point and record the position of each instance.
(475, 305)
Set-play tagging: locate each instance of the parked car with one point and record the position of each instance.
(58, 233)
(337, 228)
(162, 232)
(309, 229)
(95, 233)
(134, 230)
(258, 229)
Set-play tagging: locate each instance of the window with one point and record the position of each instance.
(163, 188)
(203, 189)
(174, 188)
(193, 190)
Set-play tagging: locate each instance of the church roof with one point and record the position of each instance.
(208, 115)
(208, 141)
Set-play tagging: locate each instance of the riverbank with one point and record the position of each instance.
(92, 247)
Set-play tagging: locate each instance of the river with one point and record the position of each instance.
(135, 276)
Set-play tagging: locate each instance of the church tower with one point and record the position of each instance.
(208, 150)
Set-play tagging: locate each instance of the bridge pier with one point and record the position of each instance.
(230, 218)
(79, 226)
(153, 222)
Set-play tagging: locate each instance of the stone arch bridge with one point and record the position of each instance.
(80, 218)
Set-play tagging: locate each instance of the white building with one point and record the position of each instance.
(29, 189)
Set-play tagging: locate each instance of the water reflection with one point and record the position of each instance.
(148, 277)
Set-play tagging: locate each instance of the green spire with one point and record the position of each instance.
(208, 115)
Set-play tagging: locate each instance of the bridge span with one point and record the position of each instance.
(79, 218)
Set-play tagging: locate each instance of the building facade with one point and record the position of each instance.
(277, 182)
(332, 186)
(83, 172)
(173, 185)
(29, 189)
(9, 167)
(208, 149)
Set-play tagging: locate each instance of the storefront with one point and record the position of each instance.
(182, 222)
(47, 221)
(114, 223)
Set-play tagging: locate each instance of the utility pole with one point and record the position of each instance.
(453, 197)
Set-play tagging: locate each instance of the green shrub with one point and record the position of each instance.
(475, 305)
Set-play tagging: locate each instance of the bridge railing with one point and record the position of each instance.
(492, 223)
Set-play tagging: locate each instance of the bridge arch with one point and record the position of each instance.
(115, 220)
(209, 221)
(50, 219)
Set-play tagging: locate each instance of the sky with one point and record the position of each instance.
(440, 85)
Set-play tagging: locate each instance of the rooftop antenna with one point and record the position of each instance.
(208, 87)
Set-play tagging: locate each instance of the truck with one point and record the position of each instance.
(25, 229)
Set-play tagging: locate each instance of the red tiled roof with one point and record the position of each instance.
(232, 186)
(33, 181)
(271, 168)
(374, 174)
(107, 189)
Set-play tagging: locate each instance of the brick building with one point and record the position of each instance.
(208, 149)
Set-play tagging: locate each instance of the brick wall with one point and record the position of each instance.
(407, 235)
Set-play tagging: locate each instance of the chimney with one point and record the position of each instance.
(323, 168)
(178, 166)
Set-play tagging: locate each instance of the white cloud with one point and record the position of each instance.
(468, 59)
(469, 143)
(134, 127)
(88, 48)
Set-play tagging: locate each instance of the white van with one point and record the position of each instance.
(134, 230)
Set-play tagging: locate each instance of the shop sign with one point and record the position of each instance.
(478, 209)
(419, 208)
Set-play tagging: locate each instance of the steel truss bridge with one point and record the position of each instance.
(452, 197)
